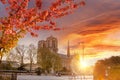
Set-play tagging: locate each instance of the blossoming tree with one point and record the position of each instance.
(22, 19)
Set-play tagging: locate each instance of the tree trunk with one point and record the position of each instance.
(0, 59)
(21, 60)
(31, 65)
(1, 56)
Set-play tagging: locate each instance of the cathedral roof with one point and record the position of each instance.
(51, 37)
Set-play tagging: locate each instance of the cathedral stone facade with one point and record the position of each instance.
(51, 43)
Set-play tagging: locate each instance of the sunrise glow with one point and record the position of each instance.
(83, 64)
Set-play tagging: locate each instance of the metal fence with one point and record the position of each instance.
(8, 76)
(12, 74)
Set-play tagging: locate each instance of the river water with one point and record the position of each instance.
(32, 77)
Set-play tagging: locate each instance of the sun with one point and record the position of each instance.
(83, 64)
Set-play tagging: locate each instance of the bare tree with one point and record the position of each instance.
(32, 51)
(21, 50)
(13, 56)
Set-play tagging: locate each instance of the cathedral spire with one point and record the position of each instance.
(68, 50)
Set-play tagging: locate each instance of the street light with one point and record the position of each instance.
(83, 62)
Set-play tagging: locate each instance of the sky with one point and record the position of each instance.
(96, 24)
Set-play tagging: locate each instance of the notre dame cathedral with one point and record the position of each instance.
(52, 44)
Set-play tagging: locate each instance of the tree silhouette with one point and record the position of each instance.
(108, 68)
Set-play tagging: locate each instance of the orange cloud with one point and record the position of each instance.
(107, 47)
(94, 33)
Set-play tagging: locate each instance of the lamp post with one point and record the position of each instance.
(83, 47)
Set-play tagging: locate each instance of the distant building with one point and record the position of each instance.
(52, 43)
